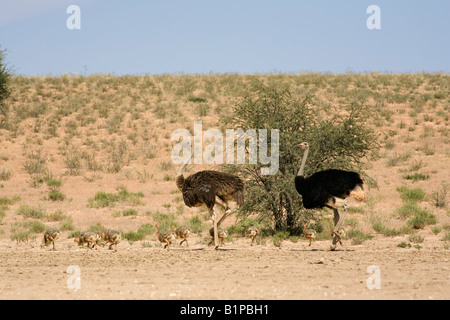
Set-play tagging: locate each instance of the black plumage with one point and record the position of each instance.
(324, 188)
(319, 189)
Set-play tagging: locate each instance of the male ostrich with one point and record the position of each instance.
(210, 188)
(328, 189)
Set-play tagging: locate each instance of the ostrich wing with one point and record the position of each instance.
(338, 183)
(205, 186)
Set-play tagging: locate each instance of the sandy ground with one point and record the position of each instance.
(294, 271)
(415, 128)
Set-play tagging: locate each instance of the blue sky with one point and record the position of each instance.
(245, 36)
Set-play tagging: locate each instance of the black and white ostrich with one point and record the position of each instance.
(329, 189)
(210, 188)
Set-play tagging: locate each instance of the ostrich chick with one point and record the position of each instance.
(221, 233)
(112, 237)
(182, 233)
(89, 238)
(309, 234)
(165, 237)
(252, 232)
(51, 235)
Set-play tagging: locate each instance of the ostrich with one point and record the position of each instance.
(309, 234)
(51, 235)
(329, 189)
(210, 188)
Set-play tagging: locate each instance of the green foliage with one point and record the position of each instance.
(30, 212)
(439, 197)
(56, 195)
(409, 209)
(130, 212)
(146, 229)
(134, 236)
(54, 184)
(416, 177)
(422, 219)
(416, 194)
(196, 224)
(339, 141)
(404, 245)
(358, 237)
(104, 200)
(26, 230)
(67, 224)
(5, 77)
(165, 221)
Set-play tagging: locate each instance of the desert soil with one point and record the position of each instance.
(89, 116)
(294, 271)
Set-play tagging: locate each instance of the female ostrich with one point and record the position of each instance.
(210, 188)
(326, 189)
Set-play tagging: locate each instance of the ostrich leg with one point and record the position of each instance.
(341, 219)
(338, 220)
(216, 235)
(226, 208)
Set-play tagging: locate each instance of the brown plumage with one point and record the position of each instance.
(165, 237)
(182, 233)
(309, 234)
(90, 238)
(203, 187)
(252, 232)
(210, 188)
(222, 234)
(112, 237)
(51, 235)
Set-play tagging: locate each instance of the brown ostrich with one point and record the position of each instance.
(210, 188)
(182, 233)
(51, 235)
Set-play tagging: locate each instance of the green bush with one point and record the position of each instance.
(134, 236)
(67, 224)
(408, 209)
(358, 237)
(56, 195)
(416, 194)
(30, 212)
(422, 219)
(146, 229)
(130, 212)
(104, 200)
(339, 141)
(196, 224)
(5, 77)
(54, 185)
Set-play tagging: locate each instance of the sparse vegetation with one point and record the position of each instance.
(117, 130)
(439, 197)
(5, 78)
(103, 199)
(31, 212)
(411, 195)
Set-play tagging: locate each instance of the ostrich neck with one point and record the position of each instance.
(180, 178)
(301, 172)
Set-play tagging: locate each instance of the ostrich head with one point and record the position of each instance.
(304, 146)
(180, 178)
